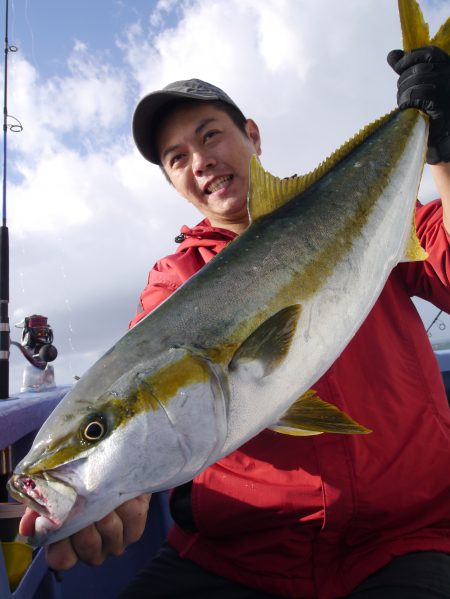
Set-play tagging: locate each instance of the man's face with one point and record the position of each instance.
(206, 157)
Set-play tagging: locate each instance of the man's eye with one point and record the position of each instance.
(175, 159)
(209, 134)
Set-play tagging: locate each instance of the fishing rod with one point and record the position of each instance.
(4, 235)
(37, 335)
(4, 244)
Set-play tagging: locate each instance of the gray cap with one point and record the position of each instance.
(144, 124)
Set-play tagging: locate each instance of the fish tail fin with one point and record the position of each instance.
(442, 37)
(415, 30)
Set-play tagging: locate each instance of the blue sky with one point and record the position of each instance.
(88, 216)
(47, 29)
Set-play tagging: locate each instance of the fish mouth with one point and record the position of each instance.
(50, 497)
(217, 183)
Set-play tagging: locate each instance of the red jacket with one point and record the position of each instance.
(314, 516)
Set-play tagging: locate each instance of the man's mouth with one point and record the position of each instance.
(218, 183)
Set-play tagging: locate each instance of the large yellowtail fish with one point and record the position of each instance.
(237, 347)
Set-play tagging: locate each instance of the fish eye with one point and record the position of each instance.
(94, 430)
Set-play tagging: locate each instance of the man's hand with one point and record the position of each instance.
(109, 536)
(424, 83)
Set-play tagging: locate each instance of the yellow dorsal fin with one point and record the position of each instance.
(415, 30)
(267, 192)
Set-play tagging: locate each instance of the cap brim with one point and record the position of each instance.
(144, 119)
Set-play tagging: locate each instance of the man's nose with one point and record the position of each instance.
(202, 161)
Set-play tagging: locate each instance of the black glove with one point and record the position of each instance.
(424, 83)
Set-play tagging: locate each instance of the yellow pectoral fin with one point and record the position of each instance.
(270, 342)
(310, 415)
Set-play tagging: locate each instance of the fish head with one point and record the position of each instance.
(154, 428)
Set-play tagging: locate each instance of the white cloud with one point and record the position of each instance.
(83, 107)
(162, 9)
(52, 195)
(89, 216)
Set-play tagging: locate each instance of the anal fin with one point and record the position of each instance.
(310, 415)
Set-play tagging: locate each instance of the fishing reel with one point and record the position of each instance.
(37, 341)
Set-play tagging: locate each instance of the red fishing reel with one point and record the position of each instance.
(37, 340)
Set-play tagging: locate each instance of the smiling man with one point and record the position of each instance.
(206, 156)
(284, 516)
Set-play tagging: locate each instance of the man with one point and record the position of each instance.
(326, 516)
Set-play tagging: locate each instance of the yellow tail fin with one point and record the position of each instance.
(415, 30)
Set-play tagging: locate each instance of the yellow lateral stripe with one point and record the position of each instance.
(170, 378)
(153, 391)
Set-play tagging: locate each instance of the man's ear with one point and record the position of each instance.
(253, 134)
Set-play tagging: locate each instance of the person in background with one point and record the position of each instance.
(310, 517)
